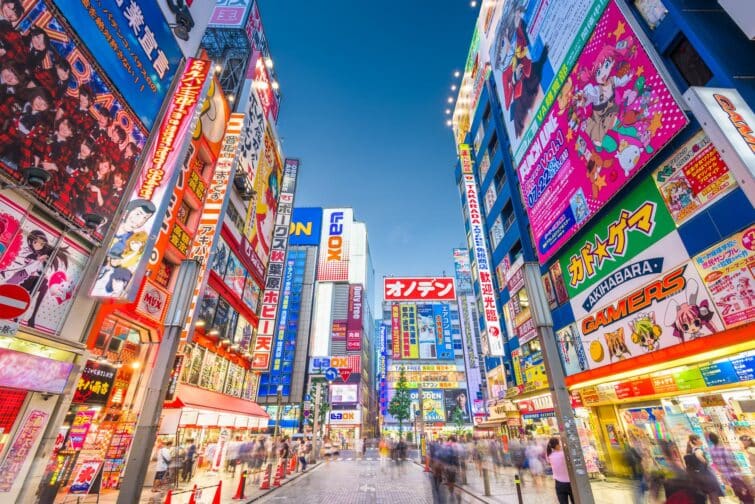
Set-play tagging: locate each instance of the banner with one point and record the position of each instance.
(396, 331)
(230, 13)
(727, 270)
(410, 344)
(427, 332)
(571, 351)
(633, 243)
(692, 178)
(306, 226)
(445, 344)
(453, 399)
(354, 322)
(95, 383)
(261, 213)
(334, 245)
(463, 271)
(262, 346)
(250, 145)
(665, 312)
(120, 274)
(534, 46)
(491, 334)
(613, 114)
(133, 44)
(419, 289)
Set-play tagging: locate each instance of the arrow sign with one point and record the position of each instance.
(14, 300)
(345, 373)
(331, 374)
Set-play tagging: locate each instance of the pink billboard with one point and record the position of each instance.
(613, 114)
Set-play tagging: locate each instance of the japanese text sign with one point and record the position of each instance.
(419, 289)
(133, 44)
(263, 341)
(120, 274)
(95, 383)
(613, 114)
(354, 321)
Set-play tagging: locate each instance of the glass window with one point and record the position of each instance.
(689, 63)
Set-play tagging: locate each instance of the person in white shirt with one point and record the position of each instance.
(164, 458)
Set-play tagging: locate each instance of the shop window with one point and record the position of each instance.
(500, 177)
(689, 63)
(516, 251)
(486, 116)
(10, 405)
(493, 146)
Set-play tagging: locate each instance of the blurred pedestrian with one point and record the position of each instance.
(699, 469)
(164, 458)
(749, 448)
(729, 469)
(557, 460)
(535, 458)
(188, 465)
(305, 448)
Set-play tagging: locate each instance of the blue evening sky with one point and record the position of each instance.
(364, 87)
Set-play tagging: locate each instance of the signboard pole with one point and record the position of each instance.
(145, 432)
(317, 424)
(541, 316)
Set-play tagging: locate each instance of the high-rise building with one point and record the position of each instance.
(606, 145)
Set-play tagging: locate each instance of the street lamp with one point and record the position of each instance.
(278, 411)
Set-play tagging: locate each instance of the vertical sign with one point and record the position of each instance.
(120, 275)
(354, 322)
(334, 245)
(396, 330)
(492, 330)
(205, 239)
(262, 345)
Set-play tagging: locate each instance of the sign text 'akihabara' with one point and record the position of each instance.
(214, 207)
(120, 274)
(263, 341)
(493, 335)
(419, 289)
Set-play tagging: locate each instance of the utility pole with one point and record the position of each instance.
(317, 423)
(421, 415)
(541, 316)
(145, 432)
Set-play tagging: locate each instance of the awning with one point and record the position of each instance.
(488, 424)
(195, 397)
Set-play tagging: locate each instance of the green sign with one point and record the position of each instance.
(632, 226)
(689, 379)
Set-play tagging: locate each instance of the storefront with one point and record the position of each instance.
(662, 402)
(344, 426)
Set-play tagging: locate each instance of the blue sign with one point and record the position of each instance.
(331, 374)
(745, 368)
(719, 373)
(306, 224)
(132, 42)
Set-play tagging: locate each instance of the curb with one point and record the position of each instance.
(460, 487)
(312, 468)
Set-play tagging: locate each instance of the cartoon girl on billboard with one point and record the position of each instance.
(692, 319)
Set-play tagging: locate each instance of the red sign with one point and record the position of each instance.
(14, 300)
(634, 388)
(419, 289)
(345, 373)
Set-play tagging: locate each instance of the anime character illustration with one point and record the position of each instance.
(645, 332)
(10, 239)
(134, 249)
(617, 346)
(679, 194)
(265, 214)
(60, 287)
(745, 291)
(579, 206)
(690, 319)
(628, 156)
(118, 281)
(520, 64)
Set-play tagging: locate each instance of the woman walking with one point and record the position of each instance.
(560, 473)
(699, 469)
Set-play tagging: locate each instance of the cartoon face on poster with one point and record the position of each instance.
(456, 399)
(671, 309)
(613, 114)
(267, 189)
(727, 270)
(33, 256)
(534, 39)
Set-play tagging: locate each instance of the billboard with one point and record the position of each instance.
(265, 89)
(571, 351)
(230, 13)
(134, 45)
(334, 245)
(669, 310)
(692, 178)
(344, 393)
(535, 44)
(260, 218)
(120, 274)
(208, 230)
(463, 271)
(354, 322)
(88, 150)
(262, 346)
(396, 331)
(613, 114)
(252, 139)
(453, 399)
(426, 329)
(419, 289)
(306, 226)
(442, 319)
(409, 342)
(345, 417)
(633, 243)
(492, 337)
(727, 270)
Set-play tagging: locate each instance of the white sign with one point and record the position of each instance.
(345, 417)
(730, 124)
(344, 394)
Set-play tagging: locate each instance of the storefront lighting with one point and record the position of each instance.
(200, 323)
(135, 365)
(213, 332)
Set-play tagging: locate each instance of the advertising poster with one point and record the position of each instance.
(463, 271)
(135, 46)
(669, 310)
(571, 351)
(693, 178)
(344, 394)
(120, 274)
(333, 264)
(252, 138)
(536, 43)
(453, 399)
(427, 331)
(267, 183)
(306, 226)
(559, 284)
(23, 371)
(24, 443)
(354, 322)
(409, 331)
(635, 242)
(727, 270)
(613, 114)
(95, 383)
(77, 434)
(89, 150)
(432, 405)
(82, 482)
